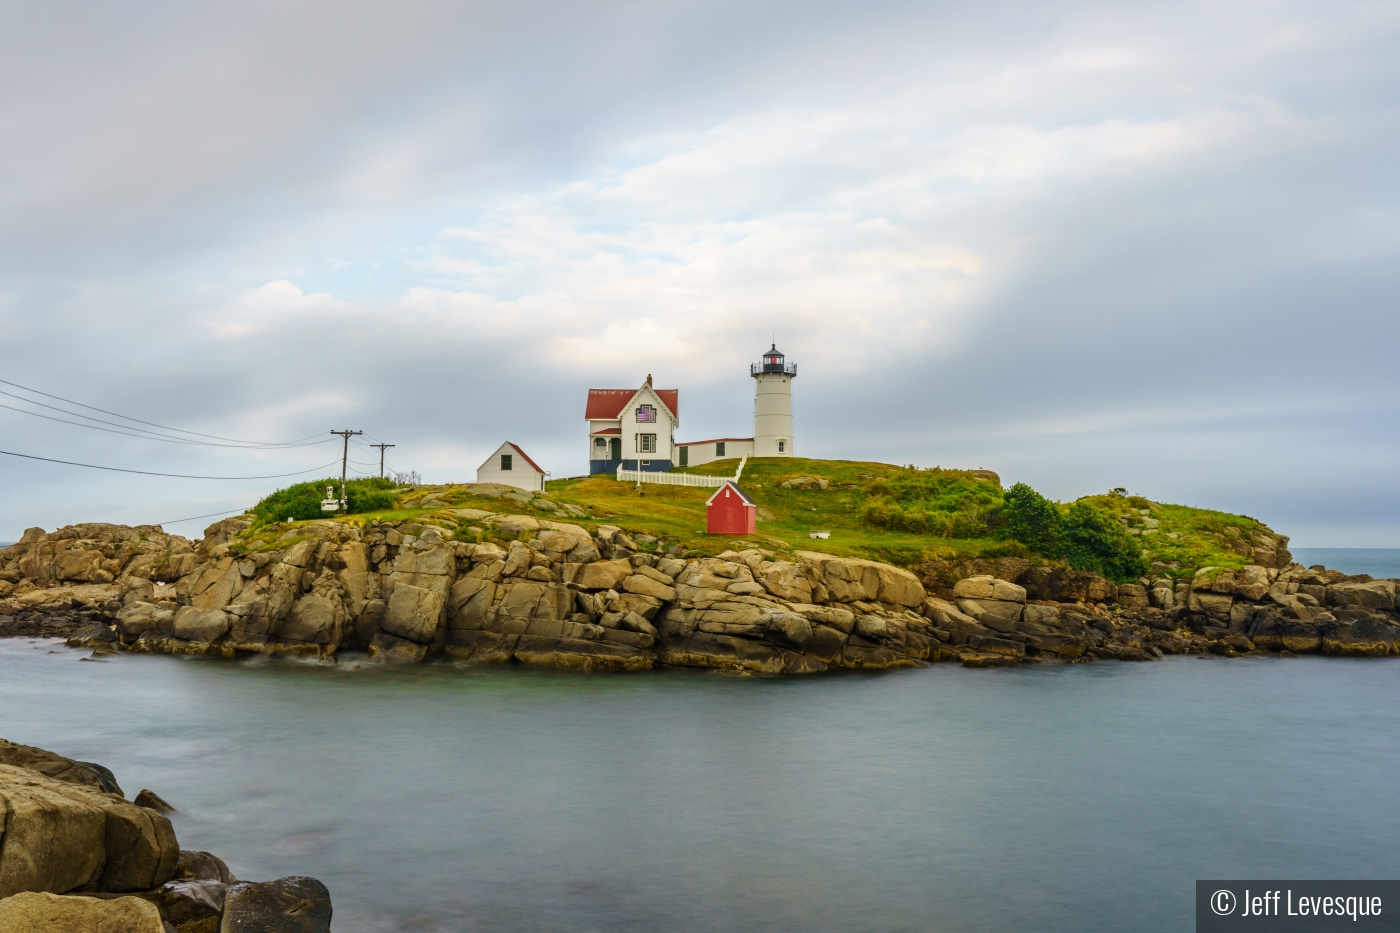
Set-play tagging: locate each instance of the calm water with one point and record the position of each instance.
(1377, 561)
(1044, 799)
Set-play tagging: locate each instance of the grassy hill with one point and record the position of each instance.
(876, 510)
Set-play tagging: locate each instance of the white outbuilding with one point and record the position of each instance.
(511, 466)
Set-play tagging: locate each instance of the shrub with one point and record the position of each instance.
(1094, 540)
(302, 501)
(1031, 519)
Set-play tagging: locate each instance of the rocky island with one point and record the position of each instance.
(538, 581)
(75, 854)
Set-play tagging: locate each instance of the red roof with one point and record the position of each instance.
(526, 456)
(607, 404)
(609, 431)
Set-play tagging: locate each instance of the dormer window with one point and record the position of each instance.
(646, 414)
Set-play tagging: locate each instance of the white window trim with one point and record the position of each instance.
(646, 443)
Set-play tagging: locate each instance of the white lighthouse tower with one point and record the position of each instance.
(772, 405)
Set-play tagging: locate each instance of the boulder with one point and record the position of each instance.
(478, 647)
(1048, 616)
(786, 581)
(646, 586)
(202, 866)
(723, 652)
(288, 905)
(809, 483)
(54, 765)
(390, 649)
(1252, 582)
(200, 625)
(599, 575)
(993, 613)
(1378, 594)
(1132, 596)
(1362, 637)
(60, 836)
(1210, 603)
(580, 655)
(317, 618)
(41, 912)
(989, 587)
(413, 613)
(142, 617)
(182, 902)
(469, 603)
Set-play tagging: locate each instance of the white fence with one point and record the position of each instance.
(680, 479)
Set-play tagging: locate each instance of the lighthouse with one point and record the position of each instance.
(772, 405)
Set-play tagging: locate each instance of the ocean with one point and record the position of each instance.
(1045, 798)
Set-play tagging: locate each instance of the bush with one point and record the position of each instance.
(1031, 519)
(303, 501)
(1088, 537)
(1094, 540)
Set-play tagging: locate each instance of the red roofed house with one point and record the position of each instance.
(730, 512)
(511, 466)
(632, 428)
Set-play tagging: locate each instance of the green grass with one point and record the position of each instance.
(872, 510)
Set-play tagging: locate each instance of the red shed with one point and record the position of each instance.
(730, 512)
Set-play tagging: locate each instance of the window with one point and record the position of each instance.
(685, 456)
(646, 463)
(646, 415)
(646, 443)
(506, 461)
(600, 442)
(719, 449)
(782, 445)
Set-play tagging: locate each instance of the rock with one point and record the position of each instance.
(1210, 603)
(645, 586)
(182, 902)
(988, 587)
(205, 626)
(414, 613)
(508, 526)
(579, 655)
(599, 575)
(40, 912)
(1001, 646)
(288, 905)
(142, 617)
(317, 618)
(479, 647)
(1365, 637)
(1132, 596)
(850, 579)
(792, 628)
(1378, 594)
(723, 652)
(1046, 616)
(202, 866)
(786, 581)
(390, 649)
(993, 613)
(51, 764)
(806, 482)
(60, 836)
(1252, 582)
(152, 801)
(839, 618)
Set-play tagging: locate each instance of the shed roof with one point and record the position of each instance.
(515, 447)
(743, 496)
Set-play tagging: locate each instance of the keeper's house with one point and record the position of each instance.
(632, 428)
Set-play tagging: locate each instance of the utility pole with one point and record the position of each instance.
(381, 457)
(344, 456)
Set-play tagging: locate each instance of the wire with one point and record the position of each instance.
(91, 466)
(300, 442)
(194, 517)
(145, 437)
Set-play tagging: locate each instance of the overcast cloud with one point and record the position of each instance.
(1085, 245)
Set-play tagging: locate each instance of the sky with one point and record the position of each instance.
(1086, 245)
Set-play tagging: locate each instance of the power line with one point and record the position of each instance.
(93, 466)
(177, 521)
(149, 436)
(299, 442)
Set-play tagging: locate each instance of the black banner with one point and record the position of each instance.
(1297, 906)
